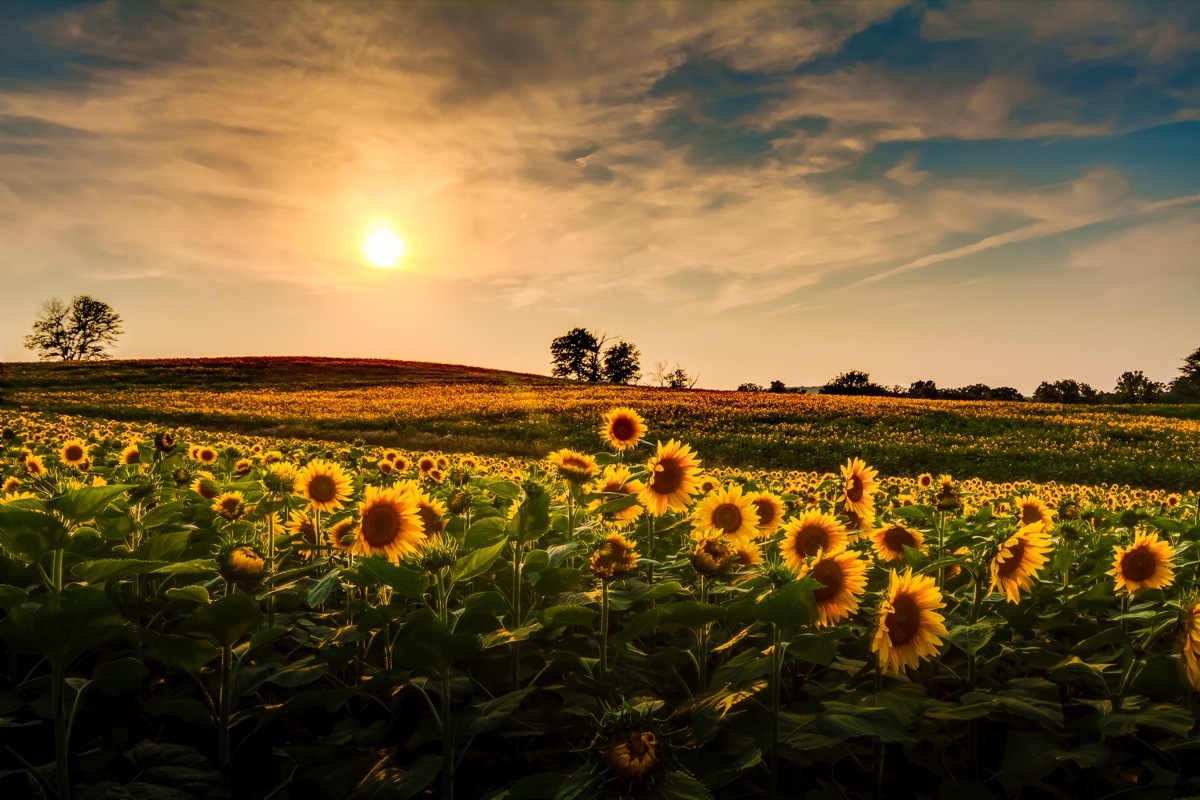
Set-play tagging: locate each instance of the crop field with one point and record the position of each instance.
(433, 406)
(244, 614)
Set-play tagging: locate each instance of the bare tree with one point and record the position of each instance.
(82, 331)
(672, 377)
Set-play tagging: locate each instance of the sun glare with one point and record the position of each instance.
(383, 248)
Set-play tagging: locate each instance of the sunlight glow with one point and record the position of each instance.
(383, 247)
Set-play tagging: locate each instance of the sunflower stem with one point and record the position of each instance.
(61, 755)
(702, 643)
(447, 739)
(226, 707)
(603, 629)
(877, 748)
(776, 676)
(516, 615)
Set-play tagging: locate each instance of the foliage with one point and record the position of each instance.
(576, 355)
(749, 387)
(777, 386)
(622, 363)
(1064, 391)
(854, 382)
(1135, 387)
(510, 670)
(82, 331)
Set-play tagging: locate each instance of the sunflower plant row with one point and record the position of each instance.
(281, 618)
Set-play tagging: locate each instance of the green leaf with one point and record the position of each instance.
(476, 563)
(107, 569)
(167, 546)
(81, 505)
(426, 643)
(188, 653)
(84, 619)
(915, 558)
(118, 676)
(533, 518)
(535, 787)
(300, 673)
(485, 532)
(227, 620)
(971, 638)
(196, 566)
(321, 590)
(162, 514)
(11, 596)
(565, 615)
(790, 605)
(405, 582)
(28, 534)
(188, 594)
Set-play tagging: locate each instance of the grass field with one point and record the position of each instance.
(463, 409)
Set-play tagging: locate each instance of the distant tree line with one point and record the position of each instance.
(581, 355)
(1131, 387)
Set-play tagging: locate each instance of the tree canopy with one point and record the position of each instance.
(81, 331)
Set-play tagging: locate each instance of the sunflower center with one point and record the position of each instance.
(829, 574)
(904, 623)
(623, 429)
(1030, 514)
(381, 524)
(811, 539)
(73, 452)
(765, 511)
(1138, 564)
(231, 504)
(668, 477)
(1016, 555)
(727, 517)
(322, 489)
(430, 519)
(897, 537)
(854, 488)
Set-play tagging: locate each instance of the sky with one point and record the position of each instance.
(981, 192)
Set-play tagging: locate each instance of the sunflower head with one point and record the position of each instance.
(324, 484)
(230, 505)
(431, 512)
(947, 496)
(859, 482)
(727, 512)
(908, 627)
(1148, 563)
(206, 485)
(1019, 559)
(1188, 641)
(812, 533)
(632, 755)
(616, 480)
(459, 502)
(243, 466)
(768, 508)
(11, 485)
(890, 540)
(670, 478)
(130, 456)
(712, 555)
(925, 480)
(242, 564)
(622, 428)
(613, 558)
(281, 478)
(1031, 510)
(573, 467)
(73, 453)
(843, 578)
(341, 534)
(34, 467)
(390, 524)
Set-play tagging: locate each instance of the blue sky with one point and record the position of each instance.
(997, 192)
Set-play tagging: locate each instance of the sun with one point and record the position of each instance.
(383, 248)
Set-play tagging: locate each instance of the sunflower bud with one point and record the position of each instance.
(633, 755)
(164, 442)
(613, 558)
(181, 477)
(439, 553)
(242, 565)
(459, 502)
(711, 556)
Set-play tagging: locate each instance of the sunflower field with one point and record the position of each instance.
(191, 615)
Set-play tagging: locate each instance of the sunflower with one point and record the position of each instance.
(622, 428)
(925, 480)
(728, 512)
(858, 524)
(712, 554)
(810, 534)
(671, 478)
(947, 498)
(890, 541)
(340, 534)
(861, 480)
(243, 466)
(34, 466)
(205, 485)
(1033, 510)
(573, 467)
(843, 578)
(230, 505)
(616, 480)
(431, 512)
(130, 456)
(426, 464)
(401, 464)
(206, 456)
(390, 524)
(747, 554)
(73, 453)
(302, 525)
(386, 467)
(1018, 560)
(1189, 644)
(8, 497)
(11, 485)
(243, 565)
(613, 558)
(324, 485)
(909, 626)
(632, 755)
(706, 484)
(769, 510)
(281, 478)
(1145, 564)
(435, 475)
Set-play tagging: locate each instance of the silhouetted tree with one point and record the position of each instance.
(1064, 391)
(622, 363)
(749, 387)
(777, 386)
(1135, 387)
(676, 378)
(576, 355)
(1187, 386)
(853, 382)
(82, 331)
(925, 390)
